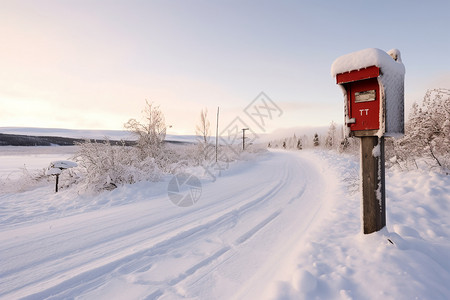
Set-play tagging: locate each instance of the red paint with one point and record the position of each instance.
(367, 113)
(356, 75)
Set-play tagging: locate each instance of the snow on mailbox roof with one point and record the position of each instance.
(53, 171)
(63, 164)
(388, 62)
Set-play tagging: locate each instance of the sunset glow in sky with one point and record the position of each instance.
(92, 64)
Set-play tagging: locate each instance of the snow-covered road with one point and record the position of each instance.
(233, 243)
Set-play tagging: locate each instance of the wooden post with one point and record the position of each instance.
(217, 131)
(243, 138)
(57, 179)
(373, 188)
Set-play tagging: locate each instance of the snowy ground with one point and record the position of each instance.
(14, 159)
(285, 225)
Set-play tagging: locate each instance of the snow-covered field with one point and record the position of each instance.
(87, 134)
(13, 160)
(283, 225)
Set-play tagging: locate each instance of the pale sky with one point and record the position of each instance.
(92, 64)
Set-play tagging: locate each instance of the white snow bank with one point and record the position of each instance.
(366, 58)
(410, 259)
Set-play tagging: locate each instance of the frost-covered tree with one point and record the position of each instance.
(306, 142)
(427, 132)
(299, 144)
(150, 132)
(349, 145)
(316, 140)
(205, 150)
(292, 142)
(203, 130)
(330, 140)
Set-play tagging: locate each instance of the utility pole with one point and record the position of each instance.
(217, 130)
(243, 138)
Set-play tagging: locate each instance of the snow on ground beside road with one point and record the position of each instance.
(13, 159)
(285, 225)
(339, 262)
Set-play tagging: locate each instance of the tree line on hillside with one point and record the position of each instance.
(30, 140)
(334, 139)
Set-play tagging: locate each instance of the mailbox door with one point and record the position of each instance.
(365, 104)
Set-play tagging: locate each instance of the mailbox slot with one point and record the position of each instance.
(365, 96)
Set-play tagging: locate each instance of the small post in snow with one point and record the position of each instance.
(217, 131)
(243, 138)
(56, 168)
(373, 84)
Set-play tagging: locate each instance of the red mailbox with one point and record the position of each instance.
(373, 85)
(372, 81)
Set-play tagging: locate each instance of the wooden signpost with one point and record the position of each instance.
(56, 167)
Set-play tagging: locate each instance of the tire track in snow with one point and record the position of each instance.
(257, 228)
(95, 272)
(90, 277)
(161, 248)
(303, 194)
(231, 251)
(43, 244)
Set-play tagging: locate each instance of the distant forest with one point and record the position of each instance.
(28, 140)
(31, 140)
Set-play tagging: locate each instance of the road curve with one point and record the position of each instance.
(231, 244)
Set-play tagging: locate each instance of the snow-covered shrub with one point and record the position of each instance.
(106, 166)
(150, 132)
(25, 181)
(427, 134)
(330, 140)
(349, 145)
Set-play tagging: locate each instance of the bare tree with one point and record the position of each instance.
(203, 132)
(203, 128)
(151, 132)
